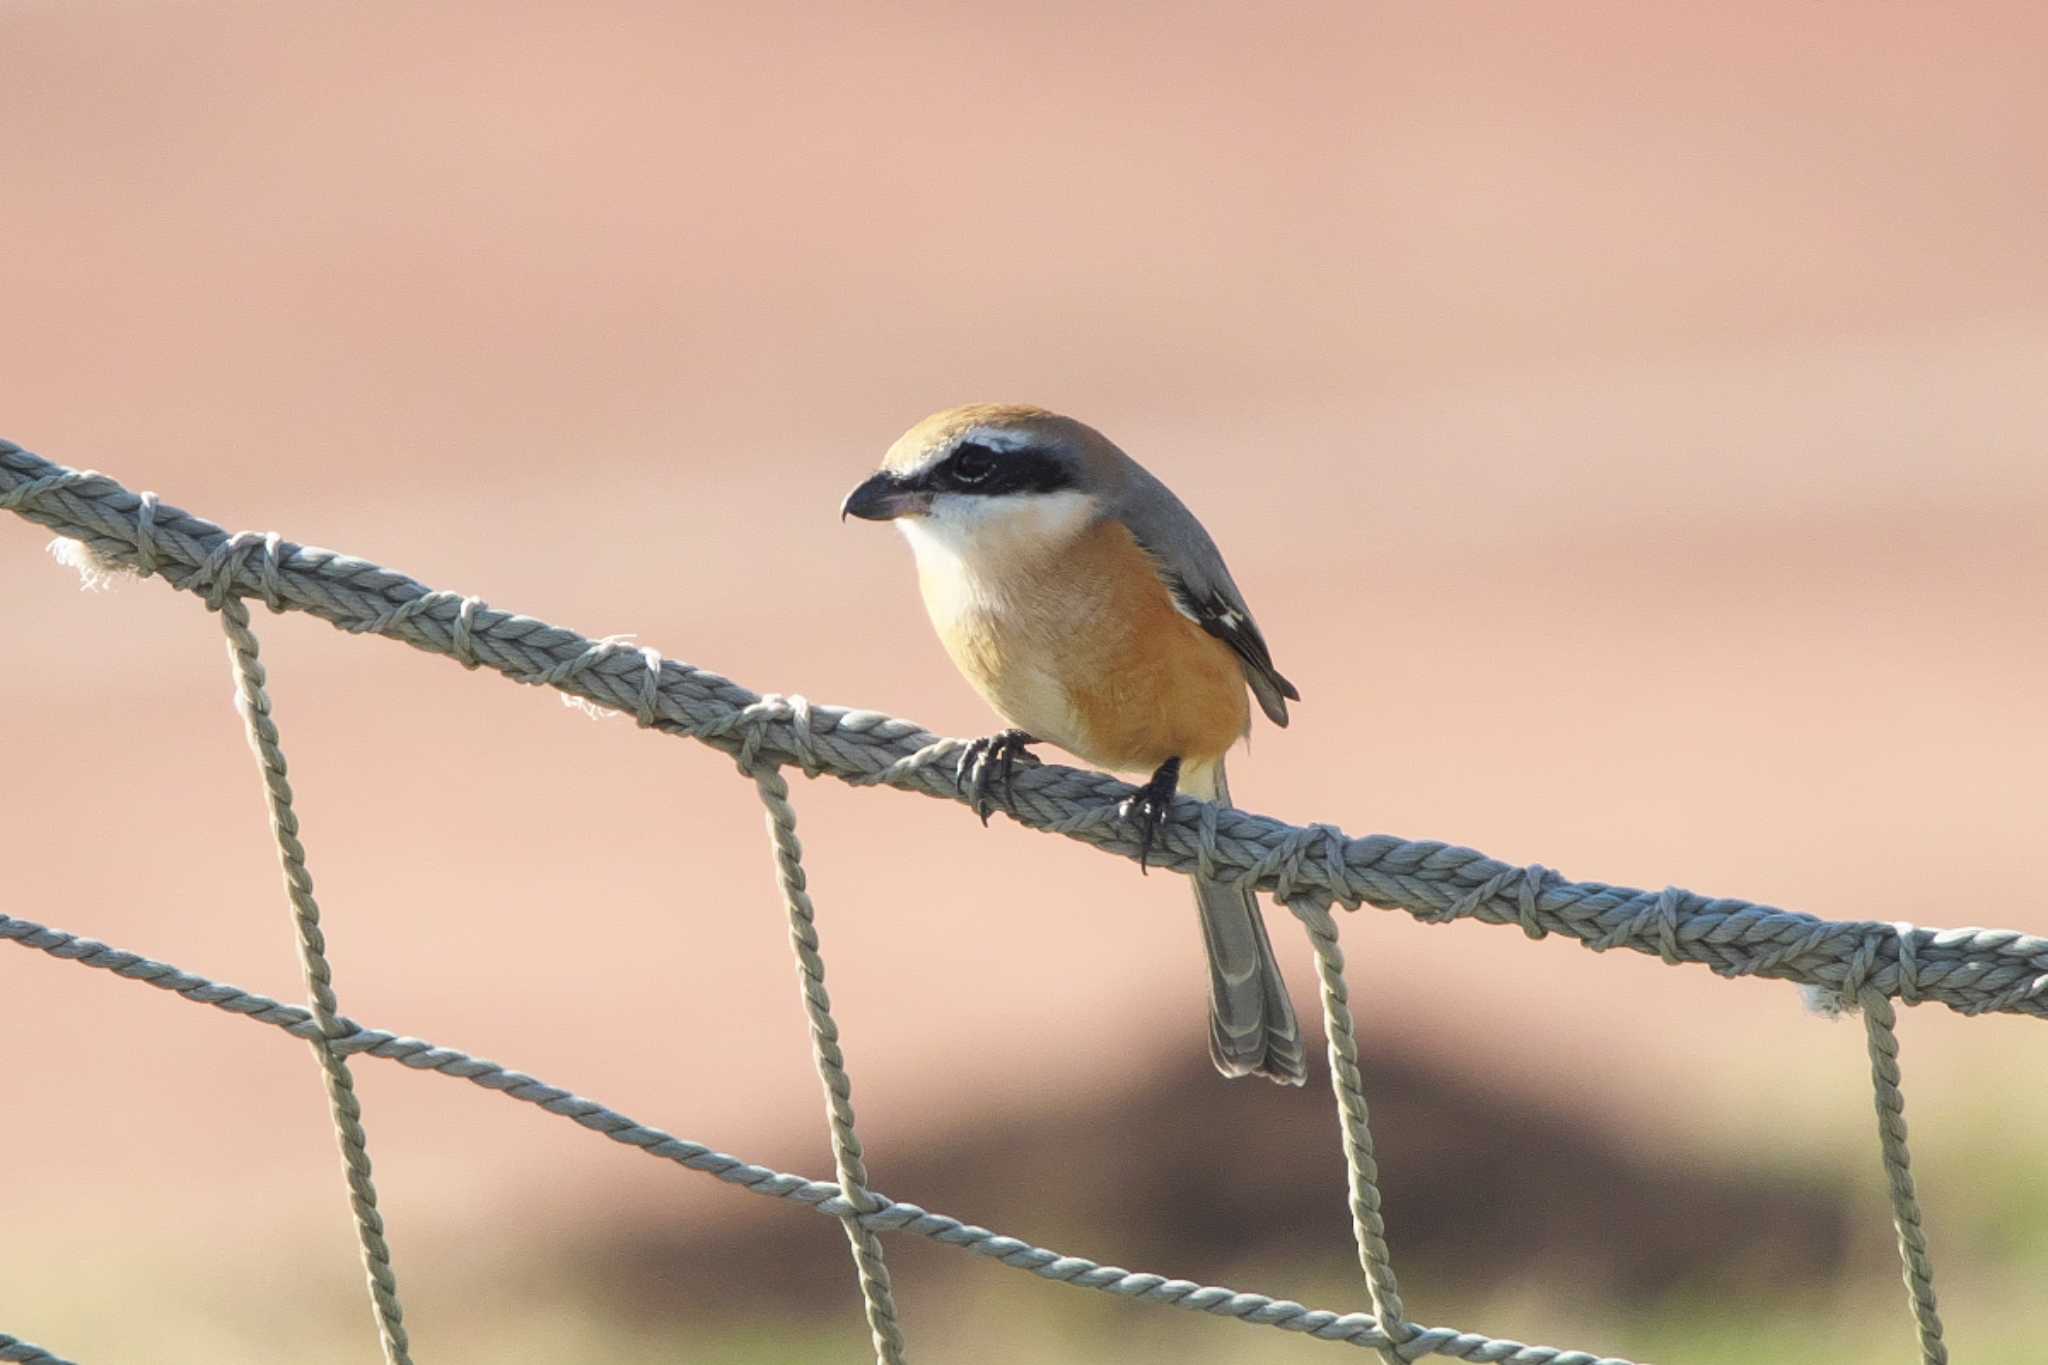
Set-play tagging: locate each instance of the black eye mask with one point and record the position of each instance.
(974, 468)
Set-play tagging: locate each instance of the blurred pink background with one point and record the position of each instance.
(1627, 422)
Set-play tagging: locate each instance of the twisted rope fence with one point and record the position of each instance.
(1855, 965)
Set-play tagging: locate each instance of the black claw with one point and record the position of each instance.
(963, 772)
(1008, 771)
(1150, 805)
(977, 789)
(985, 768)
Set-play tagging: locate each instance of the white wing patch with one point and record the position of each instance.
(1226, 619)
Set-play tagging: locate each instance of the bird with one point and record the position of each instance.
(1091, 610)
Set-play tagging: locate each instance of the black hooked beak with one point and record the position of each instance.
(884, 497)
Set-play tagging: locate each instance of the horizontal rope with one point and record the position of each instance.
(887, 1215)
(1970, 970)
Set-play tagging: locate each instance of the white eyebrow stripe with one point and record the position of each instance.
(996, 438)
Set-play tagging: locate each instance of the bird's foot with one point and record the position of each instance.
(985, 768)
(1149, 806)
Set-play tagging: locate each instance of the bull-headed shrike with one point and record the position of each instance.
(1092, 611)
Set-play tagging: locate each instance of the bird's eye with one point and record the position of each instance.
(971, 465)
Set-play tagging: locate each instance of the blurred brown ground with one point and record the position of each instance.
(1628, 423)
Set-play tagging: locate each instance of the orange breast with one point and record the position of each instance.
(1160, 688)
(1083, 647)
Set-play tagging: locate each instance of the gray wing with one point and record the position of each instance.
(1193, 570)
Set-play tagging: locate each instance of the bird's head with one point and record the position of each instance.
(987, 469)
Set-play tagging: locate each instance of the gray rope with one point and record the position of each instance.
(1368, 1227)
(831, 1064)
(1971, 970)
(416, 1054)
(15, 1351)
(1879, 1021)
(254, 703)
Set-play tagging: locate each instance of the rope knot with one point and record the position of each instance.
(585, 659)
(1662, 912)
(1284, 861)
(1469, 903)
(753, 720)
(1667, 923)
(806, 738)
(1529, 883)
(1856, 973)
(217, 573)
(1909, 962)
(1336, 870)
(385, 618)
(145, 534)
(462, 639)
(1535, 877)
(650, 683)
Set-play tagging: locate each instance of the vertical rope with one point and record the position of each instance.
(1367, 1226)
(254, 704)
(1878, 1020)
(831, 1063)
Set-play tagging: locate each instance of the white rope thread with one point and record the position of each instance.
(1311, 868)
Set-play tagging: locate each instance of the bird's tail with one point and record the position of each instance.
(1252, 1028)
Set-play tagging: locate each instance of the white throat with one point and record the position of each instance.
(966, 533)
